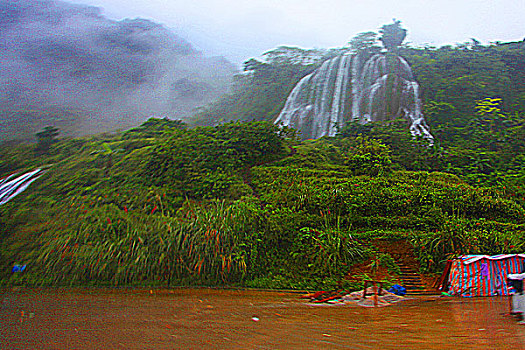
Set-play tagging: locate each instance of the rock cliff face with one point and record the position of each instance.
(68, 66)
(362, 87)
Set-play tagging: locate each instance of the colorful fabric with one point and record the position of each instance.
(484, 271)
(483, 275)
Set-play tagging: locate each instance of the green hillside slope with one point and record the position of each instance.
(242, 204)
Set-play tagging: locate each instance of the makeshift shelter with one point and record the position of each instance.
(483, 275)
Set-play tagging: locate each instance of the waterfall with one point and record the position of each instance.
(340, 87)
(316, 104)
(354, 87)
(12, 185)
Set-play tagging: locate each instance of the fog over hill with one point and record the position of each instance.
(69, 66)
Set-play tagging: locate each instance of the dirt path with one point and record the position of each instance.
(224, 319)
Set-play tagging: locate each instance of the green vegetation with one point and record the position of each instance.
(259, 93)
(248, 204)
(452, 79)
(243, 204)
(392, 35)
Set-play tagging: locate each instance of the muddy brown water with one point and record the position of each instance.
(228, 319)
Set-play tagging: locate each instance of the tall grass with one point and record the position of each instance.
(199, 245)
(459, 236)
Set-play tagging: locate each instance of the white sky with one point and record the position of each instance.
(241, 29)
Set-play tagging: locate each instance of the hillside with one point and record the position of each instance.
(451, 79)
(473, 100)
(69, 66)
(240, 204)
(237, 200)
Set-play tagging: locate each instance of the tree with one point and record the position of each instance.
(209, 161)
(367, 156)
(155, 127)
(392, 35)
(289, 55)
(489, 127)
(46, 138)
(363, 41)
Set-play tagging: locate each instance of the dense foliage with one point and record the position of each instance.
(239, 203)
(260, 91)
(452, 78)
(248, 204)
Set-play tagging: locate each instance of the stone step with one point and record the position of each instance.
(411, 280)
(411, 277)
(422, 290)
(422, 293)
(409, 270)
(412, 283)
(415, 286)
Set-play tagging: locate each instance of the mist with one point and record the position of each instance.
(68, 66)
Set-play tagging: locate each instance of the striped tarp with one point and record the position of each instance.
(483, 275)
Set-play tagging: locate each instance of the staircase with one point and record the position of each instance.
(411, 280)
(410, 277)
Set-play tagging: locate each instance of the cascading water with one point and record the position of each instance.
(13, 185)
(316, 104)
(386, 90)
(359, 87)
